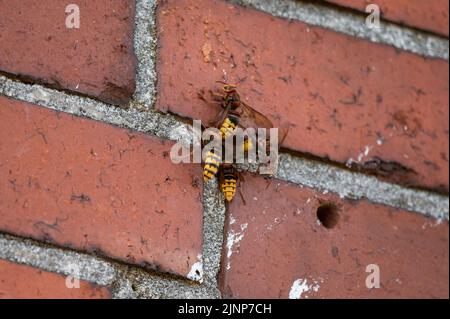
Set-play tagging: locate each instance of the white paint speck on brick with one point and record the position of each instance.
(432, 223)
(233, 239)
(196, 272)
(364, 153)
(379, 141)
(301, 286)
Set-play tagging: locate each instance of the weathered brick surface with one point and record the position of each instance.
(276, 240)
(97, 59)
(431, 15)
(95, 187)
(384, 109)
(25, 282)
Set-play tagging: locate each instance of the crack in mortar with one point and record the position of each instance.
(353, 24)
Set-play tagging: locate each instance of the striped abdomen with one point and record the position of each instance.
(229, 126)
(212, 163)
(229, 181)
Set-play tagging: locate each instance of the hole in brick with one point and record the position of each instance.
(328, 215)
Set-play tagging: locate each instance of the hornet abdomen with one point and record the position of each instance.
(229, 182)
(211, 167)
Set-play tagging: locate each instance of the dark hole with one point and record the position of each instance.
(328, 215)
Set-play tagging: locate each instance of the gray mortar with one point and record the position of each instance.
(353, 24)
(25, 251)
(162, 125)
(145, 45)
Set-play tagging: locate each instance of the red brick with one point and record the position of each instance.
(277, 240)
(25, 282)
(95, 187)
(97, 59)
(340, 93)
(427, 15)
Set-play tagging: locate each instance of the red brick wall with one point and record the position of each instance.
(276, 239)
(427, 15)
(99, 181)
(372, 100)
(24, 282)
(97, 59)
(95, 187)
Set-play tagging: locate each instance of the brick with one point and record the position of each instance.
(346, 98)
(96, 60)
(25, 282)
(427, 15)
(276, 240)
(94, 187)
